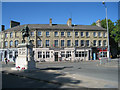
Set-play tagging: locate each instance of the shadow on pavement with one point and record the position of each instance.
(56, 68)
(32, 78)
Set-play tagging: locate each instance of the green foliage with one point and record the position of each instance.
(110, 25)
(93, 24)
(116, 32)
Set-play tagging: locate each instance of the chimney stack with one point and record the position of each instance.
(2, 27)
(98, 23)
(50, 22)
(14, 23)
(69, 22)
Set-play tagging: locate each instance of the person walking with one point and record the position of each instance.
(5, 60)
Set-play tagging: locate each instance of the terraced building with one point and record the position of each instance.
(56, 42)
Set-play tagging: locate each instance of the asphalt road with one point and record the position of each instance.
(11, 81)
(90, 69)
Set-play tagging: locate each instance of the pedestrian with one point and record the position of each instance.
(5, 60)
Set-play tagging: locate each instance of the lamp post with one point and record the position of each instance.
(108, 50)
(73, 43)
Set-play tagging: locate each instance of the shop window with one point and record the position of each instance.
(10, 54)
(47, 54)
(68, 54)
(62, 54)
(76, 54)
(39, 54)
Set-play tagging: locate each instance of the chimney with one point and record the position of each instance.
(69, 22)
(14, 23)
(50, 22)
(2, 27)
(98, 23)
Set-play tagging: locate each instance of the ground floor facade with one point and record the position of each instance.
(57, 54)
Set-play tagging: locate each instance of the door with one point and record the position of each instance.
(56, 56)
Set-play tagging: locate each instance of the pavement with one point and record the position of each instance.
(63, 79)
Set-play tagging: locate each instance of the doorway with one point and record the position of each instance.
(56, 56)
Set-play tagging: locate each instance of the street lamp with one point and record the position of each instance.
(73, 42)
(107, 31)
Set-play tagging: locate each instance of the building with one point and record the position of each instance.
(56, 42)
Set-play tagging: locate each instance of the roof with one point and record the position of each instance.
(57, 26)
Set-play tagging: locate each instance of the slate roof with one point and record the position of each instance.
(57, 27)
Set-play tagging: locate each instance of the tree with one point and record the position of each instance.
(116, 32)
(93, 24)
(110, 25)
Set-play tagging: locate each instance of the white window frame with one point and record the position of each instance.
(39, 33)
(67, 43)
(82, 34)
(47, 33)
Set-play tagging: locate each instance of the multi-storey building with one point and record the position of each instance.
(56, 42)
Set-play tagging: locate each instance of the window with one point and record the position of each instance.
(62, 54)
(99, 42)
(94, 34)
(39, 43)
(76, 54)
(87, 43)
(56, 43)
(82, 42)
(99, 34)
(47, 34)
(32, 33)
(10, 54)
(11, 43)
(39, 54)
(68, 43)
(76, 42)
(43, 54)
(76, 34)
(56, 34)
(79, 54)
(68, 54)
(5, 35)
(94, 42)
(104, 43)
(82, 34)
(104, 34)
(16, 54)
(39, 33)
(47, 43)
(68, 34)
(83, 54)
(16, 34)
(87, 34)
(6, 43)
(11, 35)
(16, 43)
(47, 54)
(62, 34)
(62, 43)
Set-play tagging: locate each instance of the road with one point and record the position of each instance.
(87, 69)
(90, 69)
(11, 81)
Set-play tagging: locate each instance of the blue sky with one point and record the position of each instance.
(82, 13)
